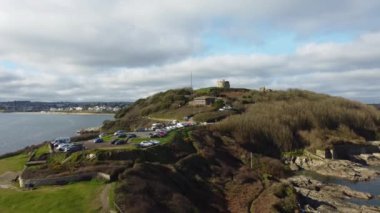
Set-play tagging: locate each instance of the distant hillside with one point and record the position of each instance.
(270, 121)
(173, 104)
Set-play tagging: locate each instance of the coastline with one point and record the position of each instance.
(60, 113)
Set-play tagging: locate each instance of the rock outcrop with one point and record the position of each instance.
(338, 168)
(369, 159)
(320, 197)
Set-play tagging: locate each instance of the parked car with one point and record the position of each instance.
(122, 135)
(118, 132)
(73, 148)
(60, 140)
(145, 144)
(154, 135)
(62, 146)
(155, 142)
(120, 142)
(98, 140)
(114, 141)
(131, 135)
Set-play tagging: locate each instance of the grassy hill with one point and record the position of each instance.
(231, 165)
(283, 120)
(235, 163)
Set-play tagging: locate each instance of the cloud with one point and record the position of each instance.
(123, 50)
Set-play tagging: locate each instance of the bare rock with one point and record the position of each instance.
(320, 197)
(337, 168)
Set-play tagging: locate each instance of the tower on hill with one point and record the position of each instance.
(223, 84)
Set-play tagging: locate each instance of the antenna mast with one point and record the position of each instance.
(191, 80)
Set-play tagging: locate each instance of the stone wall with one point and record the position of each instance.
(25, 183)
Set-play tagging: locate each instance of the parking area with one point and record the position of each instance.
(89, 144)
(157, 134)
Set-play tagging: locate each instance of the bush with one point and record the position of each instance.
(212, 116)
(278, 126)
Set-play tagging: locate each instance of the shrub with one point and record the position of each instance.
(280, 126)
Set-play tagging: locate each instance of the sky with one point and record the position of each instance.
(94, 50)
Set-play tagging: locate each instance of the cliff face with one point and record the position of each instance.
(206, 173)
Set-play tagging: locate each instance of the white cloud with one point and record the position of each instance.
(123, 50)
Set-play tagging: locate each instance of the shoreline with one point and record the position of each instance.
(60, 113)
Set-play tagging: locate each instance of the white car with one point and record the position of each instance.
(146, 144)
(62, 146)
(155, 142)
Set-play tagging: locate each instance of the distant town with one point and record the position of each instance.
(72, 107)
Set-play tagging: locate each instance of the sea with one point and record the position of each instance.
(18, 130)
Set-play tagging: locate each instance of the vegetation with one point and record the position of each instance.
(212, 116)
(173, 104)
(298, 119)
(14, 163)
(41, 152)
(78, 197)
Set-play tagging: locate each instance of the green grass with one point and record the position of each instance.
(133, 141)
(14, 163)
(108, 138)
(119, 147)
(112, 196)
(57, 157)
(42, 150)
(295, 153)
(78, 197)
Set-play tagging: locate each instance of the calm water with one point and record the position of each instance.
(18, 130)
(372, 186)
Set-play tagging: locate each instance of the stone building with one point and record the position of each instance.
(202, 101)
(223, 84)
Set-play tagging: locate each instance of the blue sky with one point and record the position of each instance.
(123, 50)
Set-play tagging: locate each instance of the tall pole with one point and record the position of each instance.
(251, 161)
(191, 80)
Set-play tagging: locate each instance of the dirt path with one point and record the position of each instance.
(6, 179)
(104, 198)
(159, 119)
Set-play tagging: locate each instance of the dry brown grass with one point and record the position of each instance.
(276, 126)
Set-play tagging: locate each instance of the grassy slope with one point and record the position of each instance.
(286, 121)
(78, 197)
(14, 163)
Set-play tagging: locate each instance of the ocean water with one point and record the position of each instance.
(372, 186)
(18, 130)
